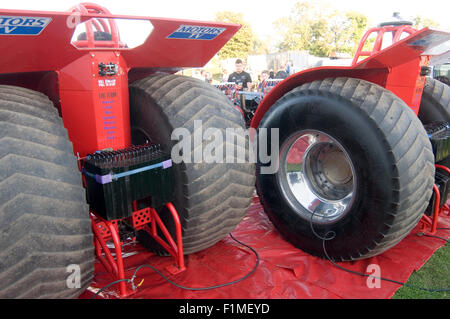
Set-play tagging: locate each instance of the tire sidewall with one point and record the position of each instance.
(431, 108)
(435, 108)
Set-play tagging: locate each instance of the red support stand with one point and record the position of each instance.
(145, 219)
(429, 223)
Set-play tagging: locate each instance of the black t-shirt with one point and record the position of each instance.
(281, 75)
(240, 78)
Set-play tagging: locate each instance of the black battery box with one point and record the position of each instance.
(439, 135)
(114, 179)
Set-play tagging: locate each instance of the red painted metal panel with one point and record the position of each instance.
(52, 50)
(159, 51)
(95, 108)
(407, 83)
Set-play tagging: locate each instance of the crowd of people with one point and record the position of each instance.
(243, 79)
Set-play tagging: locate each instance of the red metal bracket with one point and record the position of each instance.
(429, 223)
(148, 219)
(145, 219)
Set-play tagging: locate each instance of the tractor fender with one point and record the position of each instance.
(374, 75)
(396, 68)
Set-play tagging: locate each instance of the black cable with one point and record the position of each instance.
(183, 287)
(443, 228)
(109, 285)
(210, 287)
(331, 235)
(427, 235)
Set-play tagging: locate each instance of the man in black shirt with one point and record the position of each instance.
(240, 77)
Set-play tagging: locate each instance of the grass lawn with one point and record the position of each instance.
(293, 167)
(433, 275)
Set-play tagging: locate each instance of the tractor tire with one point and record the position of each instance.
(435, 103)
(45, 230)
(435, 106)
(355, 164)
(211, 198)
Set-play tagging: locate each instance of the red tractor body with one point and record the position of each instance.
(354, 160)
(94, 107)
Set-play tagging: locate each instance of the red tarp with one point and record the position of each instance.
(283, 271)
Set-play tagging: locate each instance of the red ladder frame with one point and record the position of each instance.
(108, 231)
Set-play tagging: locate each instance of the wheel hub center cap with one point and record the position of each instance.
(336, 168)
(317, 176)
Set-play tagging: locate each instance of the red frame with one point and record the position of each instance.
(99, 25)
(429, 224)
(107, 231)
(396, 31)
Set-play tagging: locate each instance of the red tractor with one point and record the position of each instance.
(86, 140)
(76, 101)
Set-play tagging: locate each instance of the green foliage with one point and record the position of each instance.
(313, 27)
(296, 28)
(358, 25)
(420, 22)
(258, 47)
(244, 42)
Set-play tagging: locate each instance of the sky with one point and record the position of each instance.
(260, 14)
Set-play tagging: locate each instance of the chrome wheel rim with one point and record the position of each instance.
(317, 176)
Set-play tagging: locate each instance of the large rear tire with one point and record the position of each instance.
(45, 230)
(354, 160)
(435, 106)
(211, 198)
(435, 103)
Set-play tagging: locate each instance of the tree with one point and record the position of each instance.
(241, 44)
(420, 22)
(321, 40)
(320, 30)
(358, 25)
(346, 30)
(296, 28)
(258, 47)
(340, 30)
